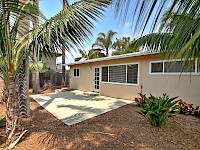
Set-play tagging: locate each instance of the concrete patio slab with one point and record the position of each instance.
(72, 107)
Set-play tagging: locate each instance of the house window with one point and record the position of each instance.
(105, 74)
(122, 74)
(177, 67)
(132, 73)
(76, 72)
(157, 67)
(117, 74)
(172, 66)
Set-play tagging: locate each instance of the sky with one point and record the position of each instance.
(52, 7)
(108, 22)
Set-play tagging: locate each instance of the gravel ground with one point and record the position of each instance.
(119, 129)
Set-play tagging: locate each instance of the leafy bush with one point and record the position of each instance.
(157, 110)
(2, 121)
(189, 109)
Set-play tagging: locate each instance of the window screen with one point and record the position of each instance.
(157, 67)
(125, 74)
(177, 67)
(117, 74)
(104, 74)
(132, 73)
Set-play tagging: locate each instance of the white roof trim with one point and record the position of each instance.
(110, 58)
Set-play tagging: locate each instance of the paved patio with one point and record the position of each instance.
(73, 107)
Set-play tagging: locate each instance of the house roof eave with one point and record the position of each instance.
(111, 58)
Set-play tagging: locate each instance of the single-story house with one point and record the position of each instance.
(121, 76)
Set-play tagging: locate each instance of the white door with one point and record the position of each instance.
(96, 79)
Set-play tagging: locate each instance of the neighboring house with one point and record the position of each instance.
(51, 61)
(121, 76)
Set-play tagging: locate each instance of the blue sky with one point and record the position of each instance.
(50, 8)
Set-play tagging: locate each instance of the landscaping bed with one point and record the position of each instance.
(121, 128)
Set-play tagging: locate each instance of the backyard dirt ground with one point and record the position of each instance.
(122, 128)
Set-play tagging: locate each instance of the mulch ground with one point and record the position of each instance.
(121, 128)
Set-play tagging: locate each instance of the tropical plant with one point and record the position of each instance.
(189, 109)
(121, 44)
(182, 20)
(124, 46)
(67, 28)
(92, 54)
(157, 110)
(141, 99)
(104, 41)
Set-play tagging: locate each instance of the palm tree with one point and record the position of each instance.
(67, 28)
(187, 31)
(92, 54)
(104, 41)
(64, 3)
(35, 51)
(168, 41)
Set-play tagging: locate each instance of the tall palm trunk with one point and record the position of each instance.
(35, 74)
(107, 54)
(23, 83)
(14, 129)
(63, 54)
(24, 100)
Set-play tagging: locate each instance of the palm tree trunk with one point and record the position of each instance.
(14, 129)
(107, 54)
(23, 87)
(24, 100)
(35, 74)
(63, 55)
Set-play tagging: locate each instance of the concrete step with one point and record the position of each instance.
(91, 93)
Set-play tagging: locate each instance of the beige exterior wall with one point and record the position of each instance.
(51, 62)
(186, 87)
(84, 82)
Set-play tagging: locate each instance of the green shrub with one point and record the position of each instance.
(157, 110)
(3, 120)
(189, 109)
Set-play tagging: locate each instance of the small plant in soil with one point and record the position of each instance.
(189, 109)
(140, 100)
(2, 122)
(157, 110)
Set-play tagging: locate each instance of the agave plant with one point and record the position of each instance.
(157, 110)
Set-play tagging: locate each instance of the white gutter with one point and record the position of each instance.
(110, 58)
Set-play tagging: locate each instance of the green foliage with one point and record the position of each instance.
(157, 110)
(179, 27)
(189, 109)
(123, 46)
(92, 54)
(125, 51)
(2, 121)
(104, 41)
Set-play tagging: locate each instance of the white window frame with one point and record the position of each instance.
(172, 73)
(76, 72)
(138, 75)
